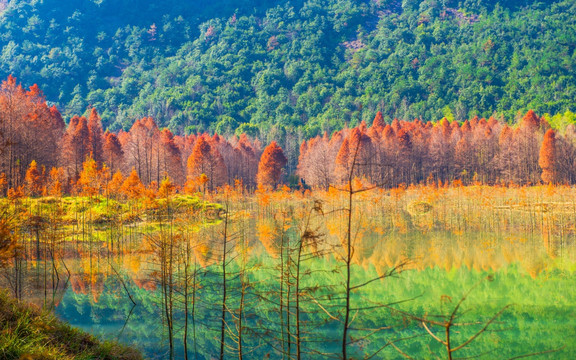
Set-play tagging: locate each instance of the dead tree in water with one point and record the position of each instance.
(241, 310)
(295, 240)
(235, 285)
(451, 321)
(352, 158)
(221, 254)
(277, 296)
(164, 244)
(225, 250)
(190, 282)
(308, 247)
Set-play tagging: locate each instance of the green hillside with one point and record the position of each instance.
(267, 67)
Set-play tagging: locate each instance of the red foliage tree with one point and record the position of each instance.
(527, 147)
(378, 124)
(506, 157)
(170, 157)
(142, 149)
(530, 121)
(206, 160)
(248, 154)
(132, 187)
(270, 166)
(34, 180)
(95, 134)
(316, 164)
(75, 146)
(464, 156)
(23, 116)
(548, 158)
(113, 154)
(343, 160)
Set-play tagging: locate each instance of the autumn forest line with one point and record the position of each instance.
(41, 155)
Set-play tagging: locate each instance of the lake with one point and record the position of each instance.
(416, 254)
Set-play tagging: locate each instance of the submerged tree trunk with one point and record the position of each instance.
(224, 259)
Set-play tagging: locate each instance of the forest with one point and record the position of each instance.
(275, 68)
(241, 255)
(352, 272)
(82, 157)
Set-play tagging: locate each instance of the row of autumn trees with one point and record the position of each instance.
(39, 153)
(478, 150)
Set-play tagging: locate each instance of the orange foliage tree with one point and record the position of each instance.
(112, 152)
(132, 187)
(75, 146)
(114, 186)
(56, 181)
(95, 134)
(170, 157)
(7, 240)
(206, 160)
(270, 166)
(29, 130)
(90, 181)
(166, 188)
(547, 160)
(34, 180)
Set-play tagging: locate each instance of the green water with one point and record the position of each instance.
(503, 266)
(542, 315)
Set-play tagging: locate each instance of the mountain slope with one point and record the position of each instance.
(274, 66)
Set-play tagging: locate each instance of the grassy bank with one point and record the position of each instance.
(29, 333)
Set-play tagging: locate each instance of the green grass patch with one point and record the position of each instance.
(71, 215)
(29, 333)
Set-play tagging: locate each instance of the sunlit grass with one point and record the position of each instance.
(28, 333)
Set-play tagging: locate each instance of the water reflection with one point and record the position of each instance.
(159, 284)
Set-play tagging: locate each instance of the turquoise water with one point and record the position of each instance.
(120, 290)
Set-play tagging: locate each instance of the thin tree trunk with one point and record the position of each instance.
(282, 330)
(298, 334)
(348, 263)
(223, 319)
(240, 318)
(349, 255)
(186, 301)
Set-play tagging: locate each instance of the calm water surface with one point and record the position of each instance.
(109, 282)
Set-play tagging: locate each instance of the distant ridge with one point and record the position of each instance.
(269, 67)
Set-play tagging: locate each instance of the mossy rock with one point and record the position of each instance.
(131, 219)
(80, 208)
(35, 222)
(102, 219)
(48, 200)
(214, 213)
(419, 208)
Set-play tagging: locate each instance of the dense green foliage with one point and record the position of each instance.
(257, 66)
